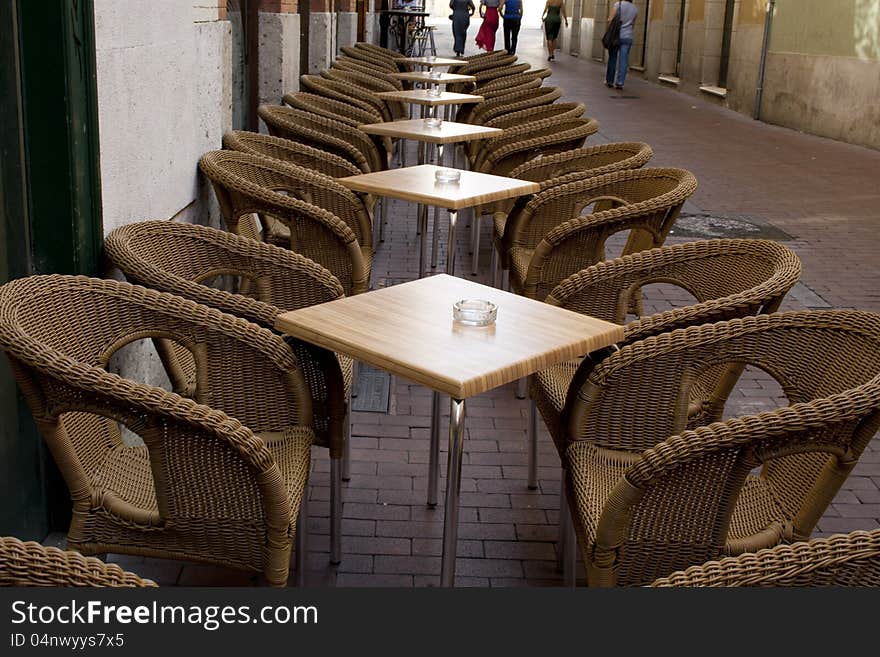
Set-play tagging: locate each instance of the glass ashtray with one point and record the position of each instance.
(435, 75)
(447, 175)
(433, 122)
(435, 90)
(474, 312)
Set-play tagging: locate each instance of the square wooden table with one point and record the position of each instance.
(430, 62)
(423, 97)
(418, 184)
(448, 132)
(408, 330)
(425, 76)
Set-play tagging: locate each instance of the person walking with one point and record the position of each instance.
(511, 10)
(462, 10)
(618, 58)
(554, 13)
(489, 14)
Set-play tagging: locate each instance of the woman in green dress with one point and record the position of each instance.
(554, 14)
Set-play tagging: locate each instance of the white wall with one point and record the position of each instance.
(164, 98)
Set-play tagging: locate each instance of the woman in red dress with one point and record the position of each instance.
(486, 35)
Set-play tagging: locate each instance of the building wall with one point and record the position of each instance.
(819, 53)
(823, 74)
(164, 98)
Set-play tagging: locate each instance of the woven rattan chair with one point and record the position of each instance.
(327, 134)
(497, 59)
(31, 564)
(219, 484)
(728, 279)
(387, 53)
(551, 239)
(364, 68)
(183, 259)
(332, 109)
(509, 100)
(371, 57)
(248, 185)
(841, 560)
(516, 125)
(649, 497)
(371, 84)
(345, 92)
(559, 169)
(291, 152)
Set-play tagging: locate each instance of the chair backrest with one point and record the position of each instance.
(31, 564)
(247, 185)
(690, 497)
(488, 75)
(484, 62)
(289, 151)
(332, 109)
(358, 66)
(370, 84)
(186, 260)
(371, 56)
(60, 333)
(520, 118)
(542, 137)
(727, 278)
(841, 560)
(345, 92)
(513, 100)
(588, 162)
(643, 201)
(322, 132)
(386, 53)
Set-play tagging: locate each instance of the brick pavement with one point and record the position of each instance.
(822, 193)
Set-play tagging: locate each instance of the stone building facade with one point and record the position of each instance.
(821, 70)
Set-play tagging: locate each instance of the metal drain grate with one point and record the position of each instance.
(373, 390)
(709, 226)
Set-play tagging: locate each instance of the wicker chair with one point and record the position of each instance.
(488, 75)
(219, 484)
(372, 85)
(345, 92)
(728, 279)
(182, 258)
(509, 81)
(327, 134)
(649, 497)
(291, 152)
(841, 560)
(516, 124)
(507, 101)
(31, 564)
(247, 184)
(356, 66)
(371, 57)
(559, 169)
(387, 53)
(331, 109)
(551, 239)
(497, 59)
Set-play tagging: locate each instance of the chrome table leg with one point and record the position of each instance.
(450, 242)
(453, 486)
(533, 446)
(434, 452)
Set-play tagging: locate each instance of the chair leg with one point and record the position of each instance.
(346, 444)
(383, 219)
(522, 388)
(475, 227)
(335, 511)
(533, 445)
(302, 540)
(563, 532)
(493, 267)
(569, 563)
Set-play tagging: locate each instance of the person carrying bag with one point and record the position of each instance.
(618, 39)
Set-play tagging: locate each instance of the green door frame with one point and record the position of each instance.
(50, 213)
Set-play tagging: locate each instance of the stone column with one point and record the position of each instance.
(322, 35)
(346, 24)
(279, 49)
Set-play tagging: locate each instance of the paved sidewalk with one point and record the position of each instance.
(754, 179)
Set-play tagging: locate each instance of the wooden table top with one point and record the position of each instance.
(425, 76)
(425, 61)
(448, 131)
(408, 330)
(417, 184)
(422, 97)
